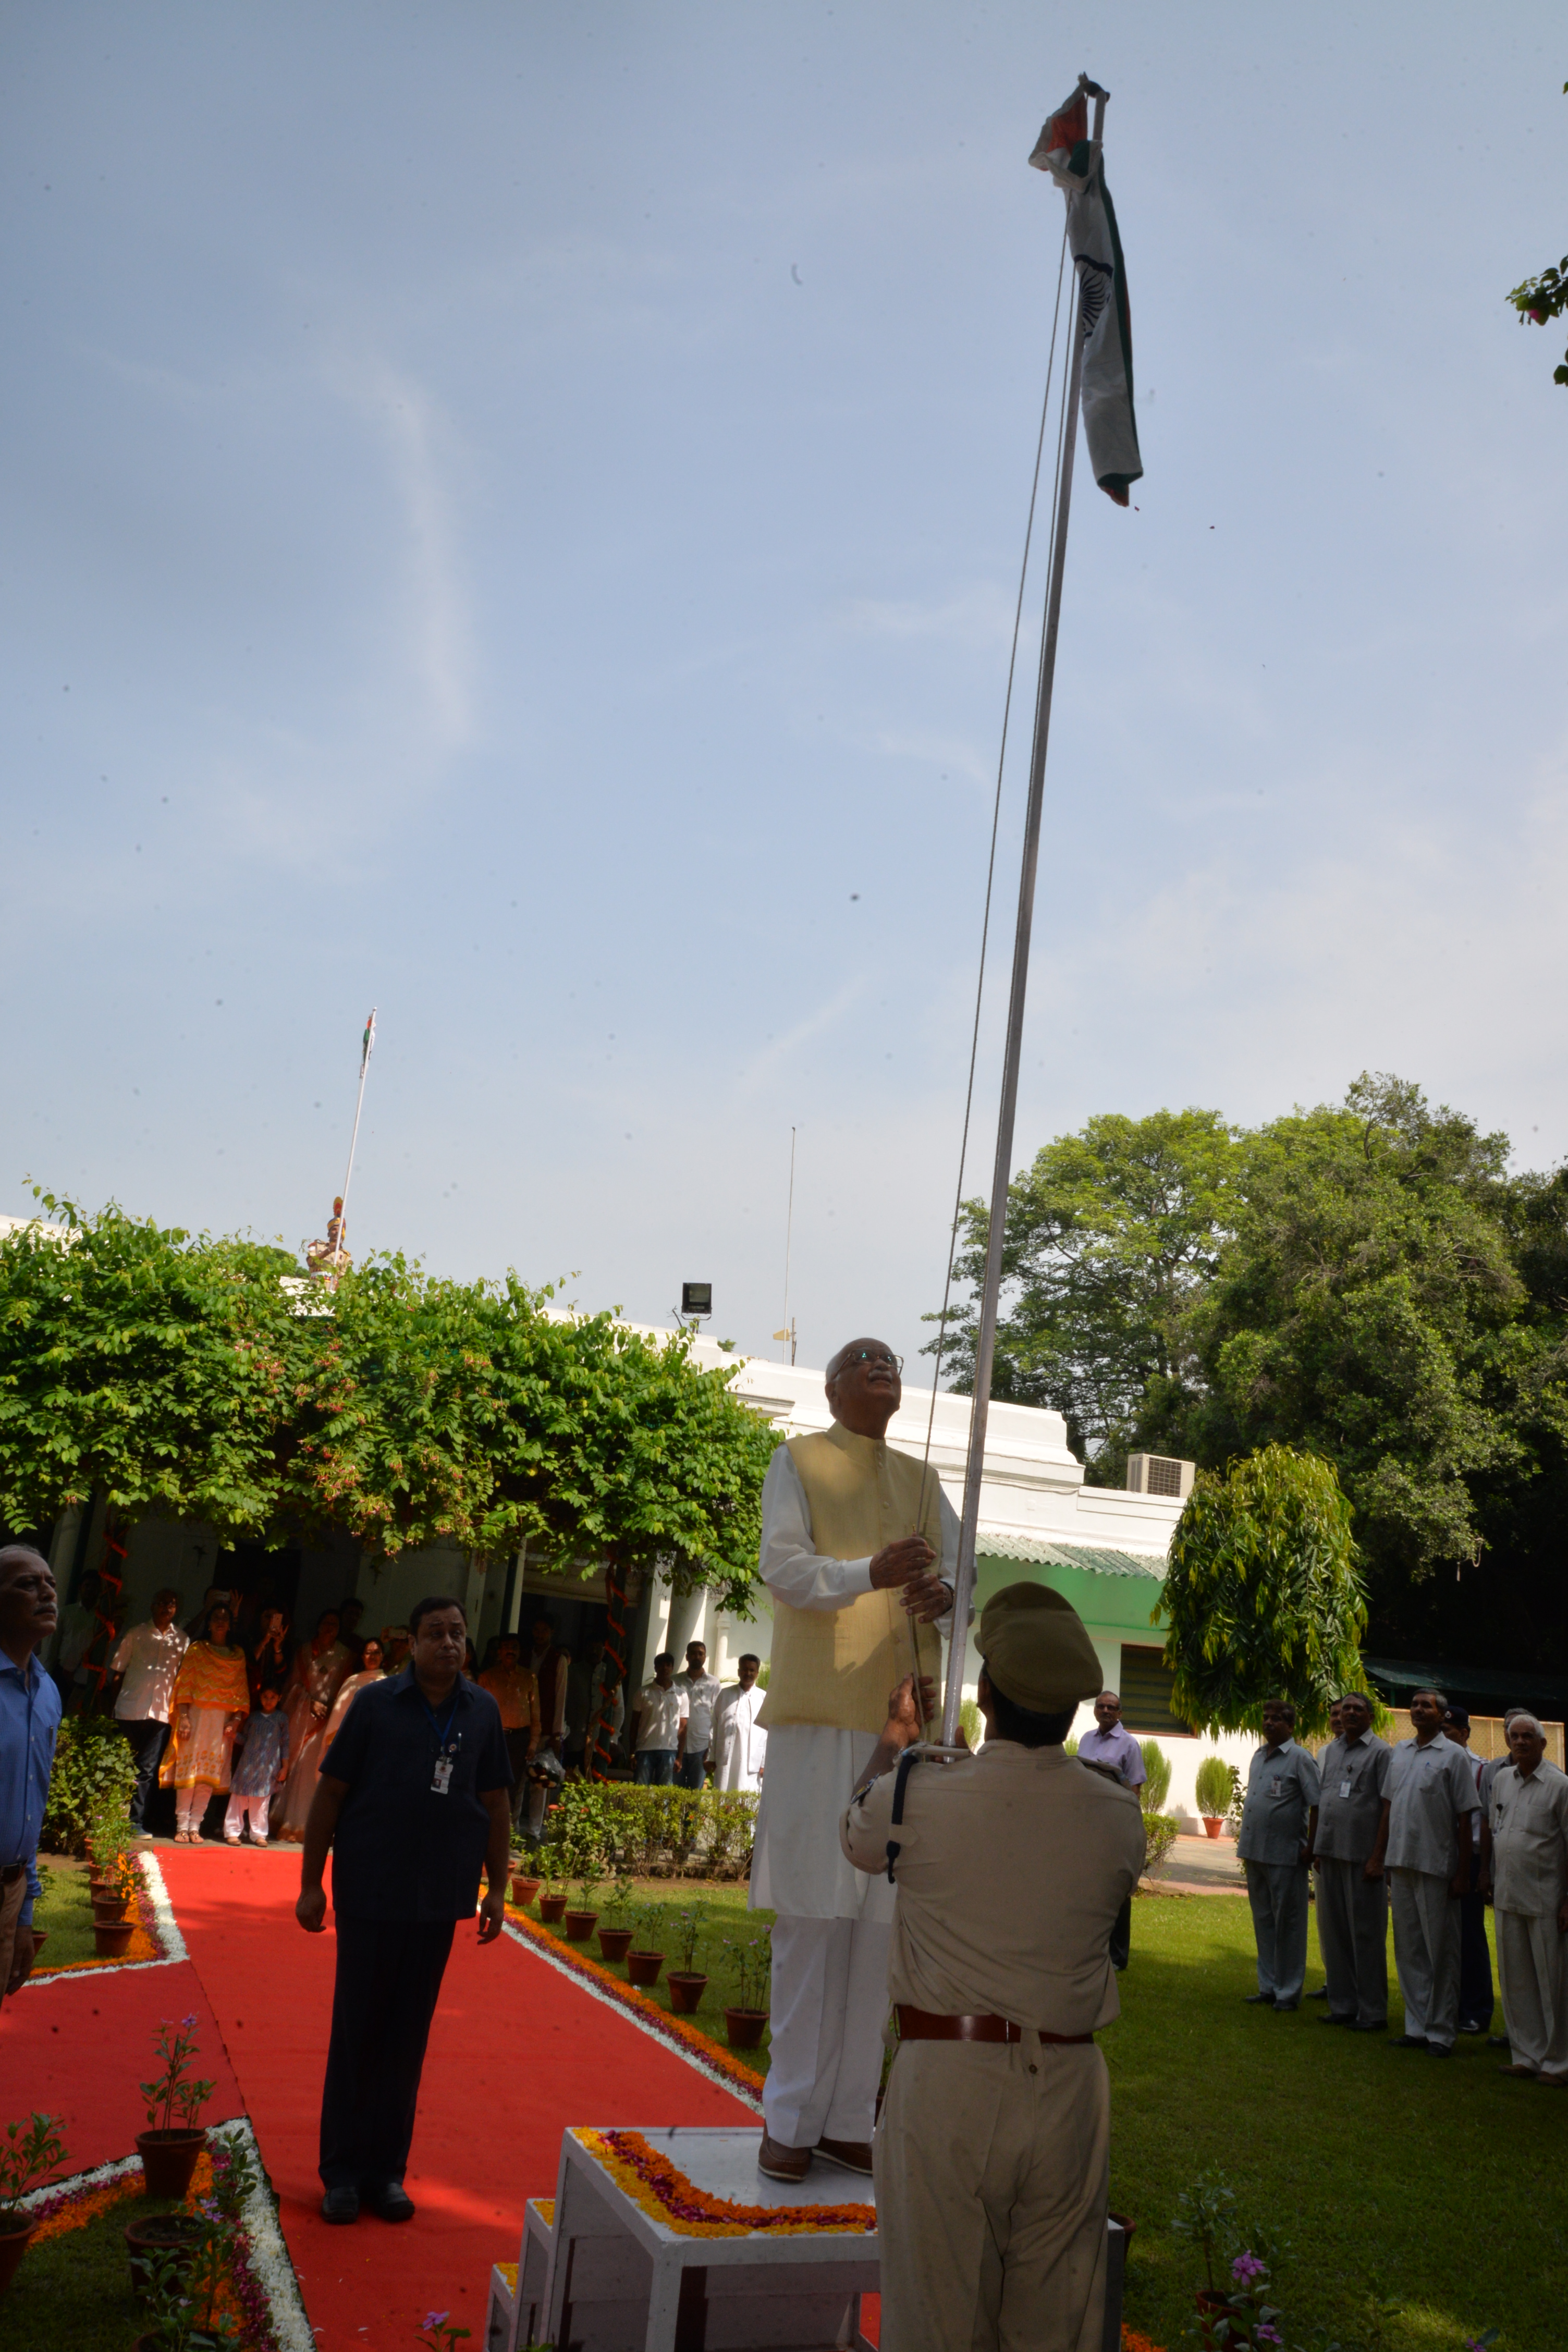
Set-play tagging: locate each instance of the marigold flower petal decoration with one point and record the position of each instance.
(680, 2030)
(665, 2194)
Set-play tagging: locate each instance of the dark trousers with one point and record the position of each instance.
(688, 1771)
(516, 1757)
(389, 1977)
(654, 1768)
(145, 1741)
(1121, 1937)
(1475, 1956)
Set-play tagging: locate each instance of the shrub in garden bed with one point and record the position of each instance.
(655, 1832)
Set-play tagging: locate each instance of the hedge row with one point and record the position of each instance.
(600, 1829)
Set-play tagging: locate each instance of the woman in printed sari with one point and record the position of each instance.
(211, 1697)
(373, 1665)
(319, 1667)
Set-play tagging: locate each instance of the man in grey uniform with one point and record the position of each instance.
(1528, 1856)
(1278, 1820)
(1353, 1908)
(1423, 1843)
(992, 2152)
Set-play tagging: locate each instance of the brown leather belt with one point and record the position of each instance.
(929, 2026)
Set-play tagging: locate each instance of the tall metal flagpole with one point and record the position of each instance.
(353, 1139)
(986, 1342)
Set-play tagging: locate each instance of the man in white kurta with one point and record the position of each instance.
(740, 1743)
(1528, 1856)
(852, 1532)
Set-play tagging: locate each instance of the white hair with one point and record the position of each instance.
(1521, 1715)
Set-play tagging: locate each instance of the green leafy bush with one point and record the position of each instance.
(1156, 1786)
(1161, 1831)
(94, 1774)
(650, 1832)
(1213, 1787)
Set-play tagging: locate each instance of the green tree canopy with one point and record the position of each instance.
(1263, 1594)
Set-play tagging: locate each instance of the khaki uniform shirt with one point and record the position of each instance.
(1281, 1789)
(1011, 1870)
(1352, 1773)
(1530, 1839)
(1427, 1789)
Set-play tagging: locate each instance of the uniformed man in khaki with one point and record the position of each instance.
(992, 2152)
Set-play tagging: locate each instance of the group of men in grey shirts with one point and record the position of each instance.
(1426, 1832)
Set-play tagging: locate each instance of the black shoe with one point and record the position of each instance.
(1408, 2042)
(1441, 2049)
(1498, 2042)
(1282, 2007)
(1253, 1999)
(392, 2202)
(1322, 1993)
(1379, 2025)
(340, 2205)
(1332, 2020)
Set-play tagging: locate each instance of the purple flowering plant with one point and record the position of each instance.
(438, 2335)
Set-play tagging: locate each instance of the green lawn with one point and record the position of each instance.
(1389, 2173)
(65, 1909)
(73, 2292)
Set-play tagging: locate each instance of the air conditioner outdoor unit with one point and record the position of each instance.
(1160, 1474)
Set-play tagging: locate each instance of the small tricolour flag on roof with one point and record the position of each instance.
(369, 1042)
(1065, 150)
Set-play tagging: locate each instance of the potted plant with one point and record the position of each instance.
(552, 1901)
(582, 1921)
(524, 1886)
(614, 1938)
(644, 1959)
(750, 1966)
(160, 2247)
(1213, 1793)
(686, 1985)
(169, 2150)
(29, 2153)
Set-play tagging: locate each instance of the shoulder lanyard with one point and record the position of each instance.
(451, 1712)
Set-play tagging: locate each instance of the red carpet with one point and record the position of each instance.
(77, 2046)
(517, 2054)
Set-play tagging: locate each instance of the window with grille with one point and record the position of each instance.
(1146, 1692)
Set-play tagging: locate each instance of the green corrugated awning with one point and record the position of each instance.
(1093, 1561)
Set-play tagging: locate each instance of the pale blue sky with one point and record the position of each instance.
(512, 514)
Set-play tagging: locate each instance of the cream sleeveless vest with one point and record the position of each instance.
(837, 1666)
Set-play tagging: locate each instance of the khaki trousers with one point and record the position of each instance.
(993, 2165)
(11, 1898)
(1427, 1952)
(1533, 1961)
(1353, 1935)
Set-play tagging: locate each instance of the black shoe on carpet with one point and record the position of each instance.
(340, 2205)
(392, 2202)
(1408, 2042)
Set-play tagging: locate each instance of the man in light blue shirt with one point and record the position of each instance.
(29, 1719)
(1278, 1822)
(1112, 1748)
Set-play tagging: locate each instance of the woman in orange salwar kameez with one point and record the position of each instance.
(211, 1697)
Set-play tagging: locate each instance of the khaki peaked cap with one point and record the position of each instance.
(1036, 1650)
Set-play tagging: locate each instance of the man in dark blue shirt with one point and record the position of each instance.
(417, 1800)
(29, 1719)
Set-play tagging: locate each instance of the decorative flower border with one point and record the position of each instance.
(264, 2291)
(1132, 2342)
(665, 2194)
(155, 1940)
(689, 2039)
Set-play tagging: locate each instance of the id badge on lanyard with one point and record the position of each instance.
(445, 1751)
(441, 1778)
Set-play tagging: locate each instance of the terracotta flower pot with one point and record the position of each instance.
(643, 1967)
(580, 1926)
(745, 2027)
(1124, 2225)
(169, 2158)
(1213, 1825)
(614, 1942)
(41, 1938)
(14, 2244)
(686, 1989)
(523, 1890)
(107, 1910)
(112, 1937)
(155, 2238)
(553, 1908)
(1212, 2306)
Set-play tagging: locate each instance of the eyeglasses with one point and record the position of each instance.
(872, 1355)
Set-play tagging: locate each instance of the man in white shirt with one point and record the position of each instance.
(660, 1713)
(740, 1743)
(1527, 1854)
(148, 1658)
(852, 1534)
(701, 1690)
(1423, 1843)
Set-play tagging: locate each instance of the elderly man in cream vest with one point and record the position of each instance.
(852, 1533)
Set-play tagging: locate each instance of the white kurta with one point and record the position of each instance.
(741, 1745)
(798, 1866)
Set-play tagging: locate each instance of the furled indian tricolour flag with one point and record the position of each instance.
(1065, 150)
